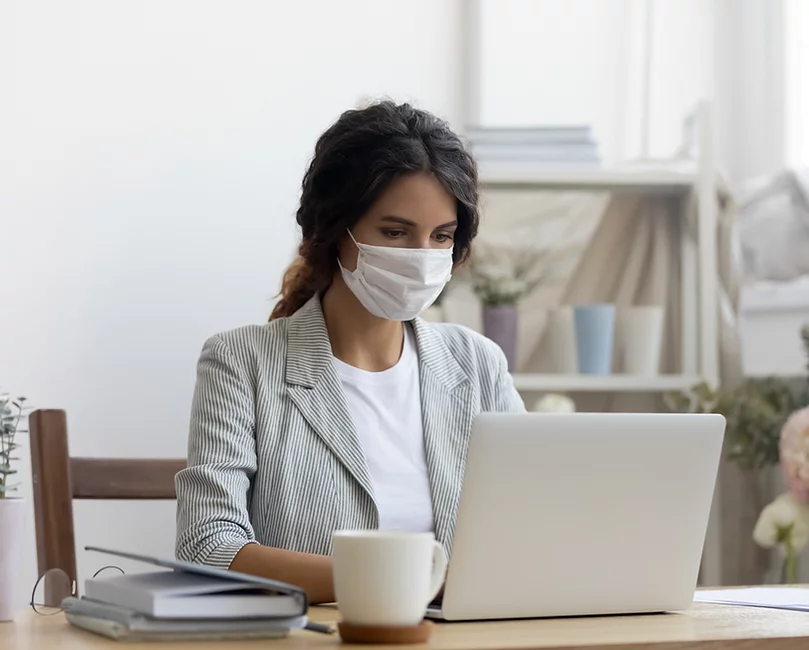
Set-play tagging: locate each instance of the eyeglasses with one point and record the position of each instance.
(53, 586)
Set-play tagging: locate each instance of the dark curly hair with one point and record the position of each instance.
(356, 160)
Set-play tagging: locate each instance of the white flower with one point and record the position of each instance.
(555, 403)
(496, 272)
(783, 519)
(513, 287)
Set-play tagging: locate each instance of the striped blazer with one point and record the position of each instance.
(273, 456)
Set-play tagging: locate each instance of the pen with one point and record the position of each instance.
(319, 627)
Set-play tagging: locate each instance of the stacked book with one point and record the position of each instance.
(527, 148)
(187, 602)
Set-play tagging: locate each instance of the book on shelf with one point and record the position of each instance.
(523, 148)
(531, 135)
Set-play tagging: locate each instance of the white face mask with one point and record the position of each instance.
(398, 283)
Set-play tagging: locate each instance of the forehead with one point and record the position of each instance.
(417, 197)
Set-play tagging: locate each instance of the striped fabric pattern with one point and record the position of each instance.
(273, 456)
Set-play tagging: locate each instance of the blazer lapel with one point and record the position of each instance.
(315, 388)
(447, 413)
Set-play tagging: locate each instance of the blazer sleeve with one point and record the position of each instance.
(507, 399)
(213, 493)
(503, 396)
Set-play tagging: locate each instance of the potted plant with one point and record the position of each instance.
(501, 278)
(767, 424)
(12, 508)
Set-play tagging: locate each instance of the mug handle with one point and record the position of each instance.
(439, 570)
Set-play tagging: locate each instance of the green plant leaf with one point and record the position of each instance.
(8, 488)
(755, 412)
(13, 420)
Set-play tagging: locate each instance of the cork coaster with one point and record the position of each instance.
(388, 635)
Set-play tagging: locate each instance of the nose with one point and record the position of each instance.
(422, 240)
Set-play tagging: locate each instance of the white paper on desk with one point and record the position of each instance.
(794, 598)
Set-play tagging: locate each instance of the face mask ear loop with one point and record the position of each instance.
(339, 263)
(350, 234)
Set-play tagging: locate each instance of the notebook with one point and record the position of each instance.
(189, 601)
(126, 625)
(179, 594)
(795, 598)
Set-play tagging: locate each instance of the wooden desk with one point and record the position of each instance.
(714, 627)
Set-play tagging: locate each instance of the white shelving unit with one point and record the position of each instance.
(698, 257)
(602, 383)
(699, 268)
(663, 181)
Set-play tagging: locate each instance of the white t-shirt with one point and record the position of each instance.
(386, 407)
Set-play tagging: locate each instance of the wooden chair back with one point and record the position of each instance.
(58, 479)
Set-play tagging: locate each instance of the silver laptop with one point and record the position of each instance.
(581, 514)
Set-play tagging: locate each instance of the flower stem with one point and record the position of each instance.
(789, 574)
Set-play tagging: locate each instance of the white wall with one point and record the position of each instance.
(149, 169)
(544, 61)
(682, 72)
(547, 62)
(582, 61)
(750, 111)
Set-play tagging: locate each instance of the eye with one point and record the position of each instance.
(393, 234)
(443, 237)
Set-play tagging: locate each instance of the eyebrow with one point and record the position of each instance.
(408, 222)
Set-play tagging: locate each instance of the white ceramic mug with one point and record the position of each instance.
(386, 578)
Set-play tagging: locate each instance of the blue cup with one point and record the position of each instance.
(595, 329)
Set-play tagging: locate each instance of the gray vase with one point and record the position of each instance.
(500, 325)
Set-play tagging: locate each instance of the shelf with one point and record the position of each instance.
(603, 383)
(664, 181)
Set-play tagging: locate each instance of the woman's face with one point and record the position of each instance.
(414, 212)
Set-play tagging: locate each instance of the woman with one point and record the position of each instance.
(346, 411)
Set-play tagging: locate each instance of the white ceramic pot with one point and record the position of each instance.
(640, 339)
(12, 519)
(562, 341)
